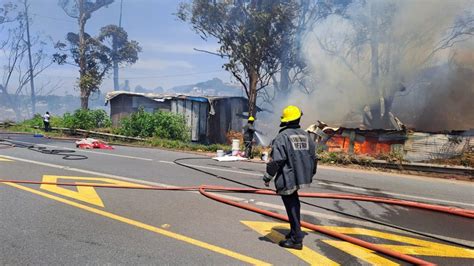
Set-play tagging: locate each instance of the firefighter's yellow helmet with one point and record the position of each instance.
(251, 118)
(290, 113)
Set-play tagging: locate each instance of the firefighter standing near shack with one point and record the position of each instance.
(293, 165)
(249, 132)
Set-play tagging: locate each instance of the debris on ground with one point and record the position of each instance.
(90, 143)
(465, 159)
(229, 158)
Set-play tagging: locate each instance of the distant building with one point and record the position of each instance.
(125, 86)
(208, 117)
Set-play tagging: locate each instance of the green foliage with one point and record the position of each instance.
(37, 120)
(86, 119)
(80, 119)
(159, 124)
(251, 34)
(119, 49)
(92, 54)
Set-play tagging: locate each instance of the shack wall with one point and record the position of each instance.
(195, 113)
(425, 146)
(204, 127)
(122, 106)
(228, 116)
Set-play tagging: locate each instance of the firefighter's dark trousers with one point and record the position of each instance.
(248, 149)
(292, 206)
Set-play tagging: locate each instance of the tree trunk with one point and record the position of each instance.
(253, 79)
(284, 79)
(28, 43)
(85, 100)
(116, 76)
(115, 64)
(374, 48)
(82, 55)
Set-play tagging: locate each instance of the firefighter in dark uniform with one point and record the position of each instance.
(292, 165)
(249, 131)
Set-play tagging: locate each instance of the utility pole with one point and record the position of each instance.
(120, 18)
(28, 44)
(114, 48)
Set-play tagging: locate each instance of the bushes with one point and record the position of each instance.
(158, 124)
(85, 119)
(80, 119)
(163, 125)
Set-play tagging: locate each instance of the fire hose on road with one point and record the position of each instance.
(207, 191)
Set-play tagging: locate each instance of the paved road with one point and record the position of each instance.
(66, 225)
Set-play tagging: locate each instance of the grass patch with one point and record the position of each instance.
(186, 146)
(343, 158)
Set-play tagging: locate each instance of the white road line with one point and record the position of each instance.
(168, 162)
(258, 203)
(87, 151)
(264, 204)
(220, 169)
(394, 194)
(57, 166)
(339, 186)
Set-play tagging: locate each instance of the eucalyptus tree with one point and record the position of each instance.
(82, 11)
(121, 50)
(251, 35)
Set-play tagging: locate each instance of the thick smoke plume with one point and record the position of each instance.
(391, 57)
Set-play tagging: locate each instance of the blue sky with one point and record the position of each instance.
(167, 60)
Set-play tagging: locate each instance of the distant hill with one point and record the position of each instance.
(140, 89)
(213, 87)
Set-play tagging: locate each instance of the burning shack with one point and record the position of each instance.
(209, 118)
(414, 146)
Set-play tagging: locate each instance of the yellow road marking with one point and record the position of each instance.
(5, 159)
(306, 254)
(86, 194)
(361, 253)
(415, 247)
(154, 229)
(419, 247)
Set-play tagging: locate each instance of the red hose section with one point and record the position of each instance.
(203, 189)
(320, 229)
(444, 209)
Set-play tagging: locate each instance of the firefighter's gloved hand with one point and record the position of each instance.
(267, 178)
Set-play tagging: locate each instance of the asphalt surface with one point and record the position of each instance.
(44, 225)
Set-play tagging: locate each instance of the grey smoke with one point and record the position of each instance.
(408, 31)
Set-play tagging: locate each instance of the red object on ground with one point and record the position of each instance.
(90, 143)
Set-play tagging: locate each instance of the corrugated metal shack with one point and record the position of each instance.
(209, 118)
(421, 146)
(415, 146)
(359, 141)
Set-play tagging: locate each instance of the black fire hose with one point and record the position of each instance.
(178, 162)
(67, 154)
